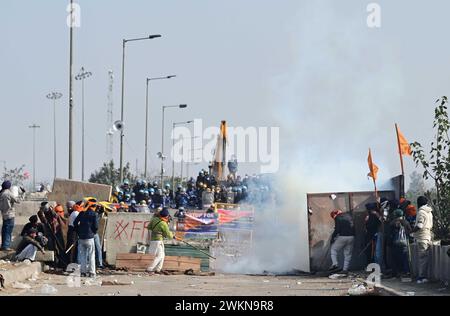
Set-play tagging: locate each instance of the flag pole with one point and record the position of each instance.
(372, 173)
(376, 191)
(402, 185)
(400, 150)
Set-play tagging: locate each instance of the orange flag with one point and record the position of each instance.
(372, 167)
(403, 144)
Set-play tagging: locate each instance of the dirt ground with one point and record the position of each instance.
(162, 285)
(134, 284)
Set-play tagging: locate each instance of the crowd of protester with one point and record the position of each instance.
(70, 232)
(391, 227)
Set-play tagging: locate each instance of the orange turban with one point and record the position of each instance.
(411, 210)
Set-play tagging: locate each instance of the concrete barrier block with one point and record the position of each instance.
(49, 256)
(69, 190)
(123, 232)
(21, 272)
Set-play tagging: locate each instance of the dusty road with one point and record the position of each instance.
(218, 285)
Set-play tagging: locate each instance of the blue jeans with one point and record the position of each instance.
(379, 250)
(87, 255)
(78, 252)
(7, 229)
(98, 251)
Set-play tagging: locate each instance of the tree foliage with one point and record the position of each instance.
(437, 167)
(416, 187)
(110, 175)
(17, 176)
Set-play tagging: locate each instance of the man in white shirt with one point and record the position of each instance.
(422, 235)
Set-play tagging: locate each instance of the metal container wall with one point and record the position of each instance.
(321, 225)
(439, 263)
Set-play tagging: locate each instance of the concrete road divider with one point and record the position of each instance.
(21, 272)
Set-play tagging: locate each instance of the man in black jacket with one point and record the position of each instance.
(373, 222)
(342, 239)
(86, 226)
(33, 223)
(28, 246)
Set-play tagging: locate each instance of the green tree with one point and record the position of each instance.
(437, 167)
(416, 187)
(17, 175)
(108, 174)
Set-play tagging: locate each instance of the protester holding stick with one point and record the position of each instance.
(159, 227)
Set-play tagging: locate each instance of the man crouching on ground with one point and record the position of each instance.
(159, 228)
(29, 246)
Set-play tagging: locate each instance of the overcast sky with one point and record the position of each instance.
(334, 86)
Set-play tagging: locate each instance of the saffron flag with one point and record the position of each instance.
(403, 144)
(372, 167)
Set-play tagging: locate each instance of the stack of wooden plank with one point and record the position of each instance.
(140, 262)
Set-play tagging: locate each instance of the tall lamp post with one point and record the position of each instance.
(34, 127)
(181, 106)
(175, 124)
(54, 96)
(124, 42)
(71, 89)
(146, 118)
(81, 76)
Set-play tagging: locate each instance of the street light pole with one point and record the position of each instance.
(81, 76)
(162, 147)
(54, 139)
(182, 161)
(71, 91)
(54, 96)
(124, 41)
(181, 106)
(34, 126)
(146, 119)
(174, 124)
(121, 111)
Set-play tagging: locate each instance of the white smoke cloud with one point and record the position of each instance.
(326, 126)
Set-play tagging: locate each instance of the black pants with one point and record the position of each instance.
(72, 239)
(399, 260)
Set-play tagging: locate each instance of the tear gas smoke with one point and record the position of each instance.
(326, 129)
